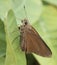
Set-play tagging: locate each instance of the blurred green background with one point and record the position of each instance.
(42, 15)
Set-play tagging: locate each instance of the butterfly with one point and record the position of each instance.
(31, 42)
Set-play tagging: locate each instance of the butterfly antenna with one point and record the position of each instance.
(25, 11)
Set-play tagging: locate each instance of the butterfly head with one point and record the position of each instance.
(24, 22)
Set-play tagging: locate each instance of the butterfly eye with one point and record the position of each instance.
(25, 23)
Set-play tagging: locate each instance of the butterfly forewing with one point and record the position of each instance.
(32, 42)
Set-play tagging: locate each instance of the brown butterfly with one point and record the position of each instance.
(31, 42)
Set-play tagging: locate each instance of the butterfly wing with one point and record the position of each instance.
(34, 43)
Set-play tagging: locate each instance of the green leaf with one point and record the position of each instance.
(2, 39)
(2, 60)
(33, 9)
(14, 55)
(47, 28)
(54, 2)
(6, 5)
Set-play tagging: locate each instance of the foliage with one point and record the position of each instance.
(42, 15)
